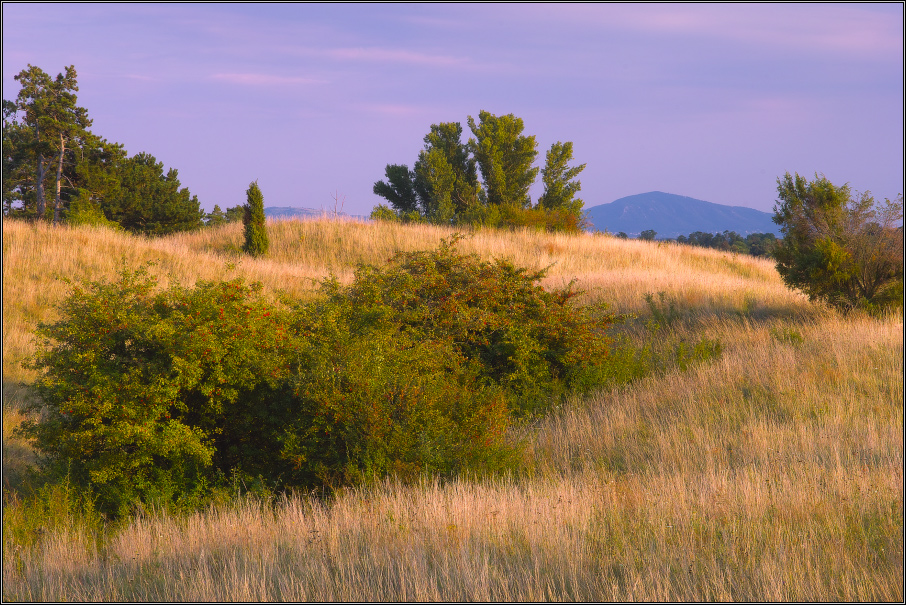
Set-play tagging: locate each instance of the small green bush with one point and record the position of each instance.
(253, 219)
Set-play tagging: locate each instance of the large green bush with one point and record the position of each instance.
(534, 343)
(159, 395)
(143, 392)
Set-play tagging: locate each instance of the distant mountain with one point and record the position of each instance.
(288, 212)
(674, 215)
(274, 212)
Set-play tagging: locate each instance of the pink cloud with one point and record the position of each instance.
(384, 55)
(249, 79)
(818, 27)
(398, 110)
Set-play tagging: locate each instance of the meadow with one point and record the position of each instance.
(771, 473)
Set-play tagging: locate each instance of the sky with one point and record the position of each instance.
(710, 101)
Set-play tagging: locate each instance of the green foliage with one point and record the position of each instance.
(559, 187)
(51, 125)
(705, 349)
(787, 335)
(529, 341)
(843, 249)
(235, 214)
(215, 218)
(444, 187)
(371, 400)
(256, 241)
(383, 213)
(149, 202)
(47, 145)
(83, 211)
(136, 387)
(755, 244)
(664, 312)
(505, 157)
(161, 396)
(54, 507)
(446, 178)
(399, 189)
(648, 235)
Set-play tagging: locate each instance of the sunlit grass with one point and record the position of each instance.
(774, 473)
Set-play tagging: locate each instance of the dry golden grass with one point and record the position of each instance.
(616, 271)
(774, 473)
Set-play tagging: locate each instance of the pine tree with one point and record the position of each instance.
(256, 242)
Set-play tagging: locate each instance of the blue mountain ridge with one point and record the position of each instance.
(672, 215)
(287, 212)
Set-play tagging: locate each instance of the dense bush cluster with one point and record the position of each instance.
(160, 395)
(755, 244)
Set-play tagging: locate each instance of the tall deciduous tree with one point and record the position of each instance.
(54, 122)
(560, 188)
(446, 177)
(843, 249)
(505, 157)
(399, 189)
(256, 242)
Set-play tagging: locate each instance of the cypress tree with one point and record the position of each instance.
(256, 242)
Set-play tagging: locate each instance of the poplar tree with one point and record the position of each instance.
(560, 188)
(505, 157)
(256, 242)
(399, 189)
(446, 178)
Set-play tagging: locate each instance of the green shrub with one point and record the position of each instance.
(168, 397)
(663, 313)
(142, 392)
(371, 401)
(382, 212)
(533, 343)
(256, 240)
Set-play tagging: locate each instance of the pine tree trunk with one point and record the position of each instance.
(58, 204)
(41, 203)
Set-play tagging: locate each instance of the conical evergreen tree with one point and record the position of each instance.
(256, 242)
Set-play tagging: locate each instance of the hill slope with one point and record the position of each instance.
(771, 474)
(673, 215)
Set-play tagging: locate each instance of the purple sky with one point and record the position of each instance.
(708, 101)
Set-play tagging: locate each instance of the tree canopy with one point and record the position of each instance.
(838, 247)
(444, 186)
(51, 156)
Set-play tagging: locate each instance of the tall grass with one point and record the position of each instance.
(620, 272)
(773, 473)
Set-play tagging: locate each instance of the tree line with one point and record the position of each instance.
(444, 187)
(56, 169)
(755, 244)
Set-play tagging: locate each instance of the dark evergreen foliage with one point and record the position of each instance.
(256, 241)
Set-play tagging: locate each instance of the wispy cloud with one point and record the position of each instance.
(387, 55)
(252, 79)
(816, 27)
(397, 110)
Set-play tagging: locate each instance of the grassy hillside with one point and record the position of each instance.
(773, 473)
